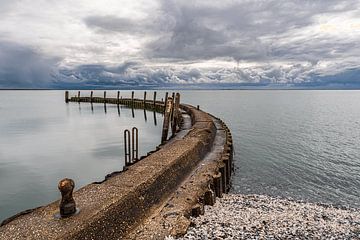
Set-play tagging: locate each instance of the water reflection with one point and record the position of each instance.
(155, 122)
(57, 140)
(118, 107)
(145, 115)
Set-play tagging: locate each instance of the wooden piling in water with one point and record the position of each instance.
(175, 114)
(132, 98)
(166, 97)
(144, 99)
(118, 97)
(66, 96)
(154, 102)
(104, 96)
(78, 96)
(91, 96)
(165, 130)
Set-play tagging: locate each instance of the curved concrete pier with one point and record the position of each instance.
(153, 198)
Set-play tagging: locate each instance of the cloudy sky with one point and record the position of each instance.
(157, 43)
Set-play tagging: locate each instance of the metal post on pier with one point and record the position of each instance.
(127, 147)
(135, 144)
(165, 130)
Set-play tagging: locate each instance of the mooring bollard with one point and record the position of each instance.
(91, 96)
(198, 107)
(67, 203)
(66, 96)
(165, 130)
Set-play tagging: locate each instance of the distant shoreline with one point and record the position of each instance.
(182, 89)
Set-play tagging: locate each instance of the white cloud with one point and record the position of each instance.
(191, 41)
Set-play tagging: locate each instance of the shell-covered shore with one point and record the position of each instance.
(264, 217)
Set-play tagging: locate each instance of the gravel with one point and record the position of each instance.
(264, 217)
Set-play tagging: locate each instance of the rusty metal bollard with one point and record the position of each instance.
(67, 204)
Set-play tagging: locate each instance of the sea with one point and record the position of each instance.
(300, 144)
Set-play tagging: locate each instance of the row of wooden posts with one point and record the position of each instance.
(170, 107)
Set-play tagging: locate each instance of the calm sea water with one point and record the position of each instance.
(43, 140)
(299, 144)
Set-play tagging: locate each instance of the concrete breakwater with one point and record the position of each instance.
(153, 198)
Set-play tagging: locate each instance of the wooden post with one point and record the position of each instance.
(172, 112)
(166, 97)
(144, 99)
(223, 177)
(175, 114)
(66, 96)
(218, 185)
(91, 96)
(132, 98)
(165, 129)
(118, 97)
(104, 96)
(78, 96)
(154, 99)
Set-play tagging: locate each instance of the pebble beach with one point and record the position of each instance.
(264, 217)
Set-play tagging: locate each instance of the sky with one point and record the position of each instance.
(179, 43)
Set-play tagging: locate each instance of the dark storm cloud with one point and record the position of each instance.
(22, 67)
(235, 30)
(239, 30)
